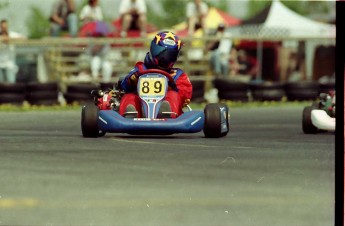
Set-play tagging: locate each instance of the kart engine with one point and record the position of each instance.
(107, 100)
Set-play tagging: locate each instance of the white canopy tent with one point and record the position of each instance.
(297, 26)
(283, 24)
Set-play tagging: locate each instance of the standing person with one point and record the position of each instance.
(164, 50)
(133, 16)
(233, 62)
(91, 12)
(196, 13)
(63, 18)
(8, 66)
(99, 63)
(220, 55)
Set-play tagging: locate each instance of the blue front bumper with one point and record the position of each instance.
(112, 122)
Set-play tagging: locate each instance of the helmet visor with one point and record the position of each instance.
(164, 57)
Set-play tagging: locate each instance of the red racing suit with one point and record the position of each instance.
(176, 97)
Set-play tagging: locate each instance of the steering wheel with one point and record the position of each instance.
(166, 74)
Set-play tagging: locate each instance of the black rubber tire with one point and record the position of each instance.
(198, 90)
(212, 124)
(47, 102)
(81, 88)
(268, 91)
(303, 90)
(198, 100)
(233, 95)
(268, 95)
(229, 85)
(325, 87)
(197, 93)
(302, 95)
(12, 88)
(12, 98)
(307, 125)
(78, 97)
(89, 121)
(231, 90)
(198, 84)
(42, 95)
(47, 86)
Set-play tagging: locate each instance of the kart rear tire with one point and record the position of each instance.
(213, 120)
(307, 125)
(89, 121)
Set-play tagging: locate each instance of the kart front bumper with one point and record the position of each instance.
(112, 122)
(322, 120)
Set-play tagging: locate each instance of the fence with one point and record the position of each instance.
(62, 59)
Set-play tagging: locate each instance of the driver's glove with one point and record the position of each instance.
(134, 77)
(186, 102)
(172, 85)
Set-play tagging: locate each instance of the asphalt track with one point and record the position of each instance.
(265, 172)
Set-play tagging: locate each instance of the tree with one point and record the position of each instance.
(254, 7)
(305, 8)
(3, 4)
(37, 23)
(174, 12)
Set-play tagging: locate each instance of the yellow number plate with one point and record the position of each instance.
(152, 86)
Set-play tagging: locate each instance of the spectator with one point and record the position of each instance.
(248, 65)
(91, 12)
(220, 55)
(100, 65)
(8, 66)
(63, 18)
(233, 62)
(196, 13)
(133, 16)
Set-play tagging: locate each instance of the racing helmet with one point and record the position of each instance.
(165, 48)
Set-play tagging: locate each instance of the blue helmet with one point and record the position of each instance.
(164, 49)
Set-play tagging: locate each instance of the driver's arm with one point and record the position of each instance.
(129, 83)
(185, 87)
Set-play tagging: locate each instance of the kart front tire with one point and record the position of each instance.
(307, 125)
(89, 121)
(214, 120)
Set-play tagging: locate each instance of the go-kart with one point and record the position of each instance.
(320, 116)
(103, 116)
